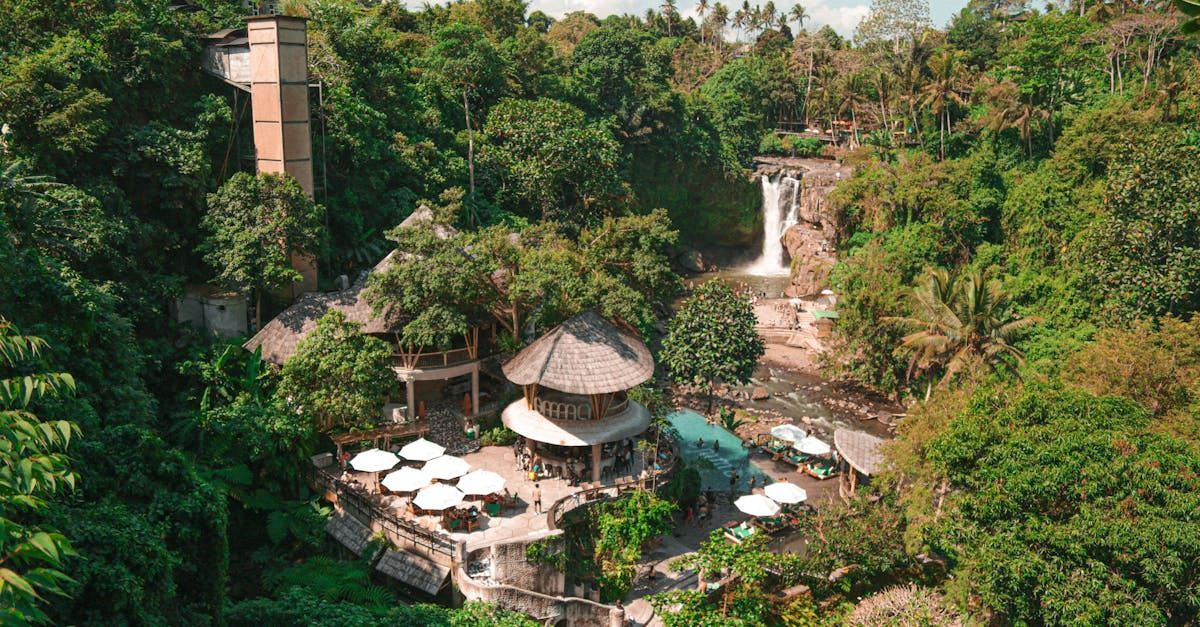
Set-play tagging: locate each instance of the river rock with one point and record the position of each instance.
(760, 394)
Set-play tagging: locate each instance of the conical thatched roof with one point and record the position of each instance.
(861, 450)
(584, 355)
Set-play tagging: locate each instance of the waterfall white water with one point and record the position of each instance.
(776, 219)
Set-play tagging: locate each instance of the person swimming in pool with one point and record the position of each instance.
(699, 442)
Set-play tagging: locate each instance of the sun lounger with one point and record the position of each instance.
(493, 509)
(820, 470)
(739, 533)
(798, 459)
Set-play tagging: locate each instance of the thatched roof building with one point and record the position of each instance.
(279, 337)
(584, 355)
(863, 451)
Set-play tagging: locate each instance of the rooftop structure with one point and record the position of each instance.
(279, 337)
(575, 380)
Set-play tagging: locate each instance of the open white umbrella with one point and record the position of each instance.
(757, 505)
(446, 467)
(438, 496)
(374, 460)
(421, 450)
(787, 432)
(407, 480)
(480, 482)
(785, 492)
(812, 446)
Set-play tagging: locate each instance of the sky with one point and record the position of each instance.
(842, 15)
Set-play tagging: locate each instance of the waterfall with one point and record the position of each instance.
(778, 216)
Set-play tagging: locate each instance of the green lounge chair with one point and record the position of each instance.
(798, 459)
(821, 470)
(740, 533)
(493, 509)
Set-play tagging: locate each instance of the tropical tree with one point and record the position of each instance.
(1009, 109)
(712, 338)
(798, 14)
(339, 376)
(253, 228)
(960, 322)
(941, 93)
(33, 468)
(466, 61)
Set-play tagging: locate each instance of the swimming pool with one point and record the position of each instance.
(691, 427)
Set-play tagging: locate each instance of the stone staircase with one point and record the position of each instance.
(446, 428)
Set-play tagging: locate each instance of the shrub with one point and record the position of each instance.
(771, 145)
(802, 146)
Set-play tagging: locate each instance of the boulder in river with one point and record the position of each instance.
(760, 394)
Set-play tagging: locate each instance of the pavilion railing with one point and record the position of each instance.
(575, 410)
(559, 509)
(358, 505)
(439, 359)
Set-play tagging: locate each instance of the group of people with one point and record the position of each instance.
(703, 509)
(574, 463)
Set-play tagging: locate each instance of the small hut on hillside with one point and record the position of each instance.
(862, 452)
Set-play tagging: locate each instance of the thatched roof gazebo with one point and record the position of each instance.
(575, 380)
(584, 355)
(863, 452)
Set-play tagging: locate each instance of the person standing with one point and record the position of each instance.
(537, 498)
(733, 479)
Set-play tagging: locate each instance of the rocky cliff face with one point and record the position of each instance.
(810, 242)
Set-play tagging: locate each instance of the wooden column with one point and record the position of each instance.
(475, 390)
(411, 396)
(596, 448)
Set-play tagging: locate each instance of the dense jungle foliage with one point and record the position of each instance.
(1020, 250)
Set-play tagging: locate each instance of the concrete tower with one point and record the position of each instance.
(279, 97)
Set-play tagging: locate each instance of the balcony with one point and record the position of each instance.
(561, 406)
(437, 359)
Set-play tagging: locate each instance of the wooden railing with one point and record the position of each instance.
(439, 359)
(575, 410)
(359, 505)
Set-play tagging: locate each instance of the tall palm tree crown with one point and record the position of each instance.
(959, 323)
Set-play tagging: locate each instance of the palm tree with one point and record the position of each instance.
(942, 91)
(1008, 108)
(670, 13)
(741, 17)
(798, 15)
(701, 9)
(959, 323)
(720, 19)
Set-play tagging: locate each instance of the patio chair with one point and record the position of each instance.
(820, 470)
(739, 533)
(798, 459)
(492, 509)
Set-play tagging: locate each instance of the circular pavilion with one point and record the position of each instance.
(576, 379)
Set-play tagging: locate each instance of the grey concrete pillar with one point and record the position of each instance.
(410, 395)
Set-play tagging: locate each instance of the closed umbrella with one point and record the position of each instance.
(785, 492)
(757, 505)
(421, 450)
(480, 482)
(438, 496)
(790, 433)
(374, 460)
(812, 446)
(446, 467)
(407, 480)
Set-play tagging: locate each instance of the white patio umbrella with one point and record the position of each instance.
(421, 450)
(785, 492)
(790, 433)
(446, 467)
(812, 446)
(407, 480)
(374, 460)
(757, 505)
(438, 496)
(480, 482)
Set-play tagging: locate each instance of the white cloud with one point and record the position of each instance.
(842, 19)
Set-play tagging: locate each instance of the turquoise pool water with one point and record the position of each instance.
(731, 456)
